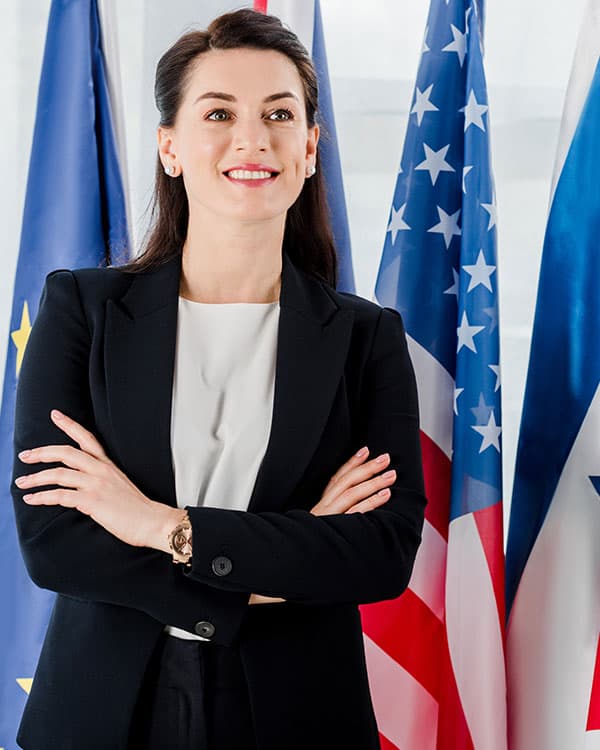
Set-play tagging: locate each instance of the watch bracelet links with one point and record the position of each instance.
(171, 536)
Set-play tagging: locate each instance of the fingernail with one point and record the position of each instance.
(382, 458)
(24, 454)
(383, 492)
(57, 414)
(361, 452)
(389, 474)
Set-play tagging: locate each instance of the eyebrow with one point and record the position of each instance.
(231, 98)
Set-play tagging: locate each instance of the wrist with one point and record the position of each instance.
(164, 521)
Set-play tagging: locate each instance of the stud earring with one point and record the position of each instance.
(311, 170)
(169, 170)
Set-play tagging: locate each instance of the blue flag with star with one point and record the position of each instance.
(439, 271)
(74, 216)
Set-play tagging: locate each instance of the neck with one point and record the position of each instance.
(229, 262)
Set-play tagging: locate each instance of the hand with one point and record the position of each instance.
(353, 490)
(99, 488)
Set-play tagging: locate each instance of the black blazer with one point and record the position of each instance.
(102, 349)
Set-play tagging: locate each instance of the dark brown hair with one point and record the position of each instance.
(308, 237)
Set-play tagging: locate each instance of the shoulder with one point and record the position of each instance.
(365, 310)
(91, 284)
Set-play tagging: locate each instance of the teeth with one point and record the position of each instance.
(242, 174)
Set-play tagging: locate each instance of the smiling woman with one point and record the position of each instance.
(202, 508)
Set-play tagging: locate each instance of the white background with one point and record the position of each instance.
(373, 54)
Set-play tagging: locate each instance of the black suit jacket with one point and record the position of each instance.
(102, 349)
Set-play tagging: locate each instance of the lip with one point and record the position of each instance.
(253, 168)
(252, 183)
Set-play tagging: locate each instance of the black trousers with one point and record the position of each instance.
(194, 697)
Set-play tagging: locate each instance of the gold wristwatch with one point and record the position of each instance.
(180, 541)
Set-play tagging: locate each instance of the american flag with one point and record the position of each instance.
(435, 655)
(553, 553)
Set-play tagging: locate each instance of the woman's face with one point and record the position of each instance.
(229, 117)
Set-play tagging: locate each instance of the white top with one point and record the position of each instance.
(223, 389)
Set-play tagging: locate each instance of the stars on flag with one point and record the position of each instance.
(447, 225)
(496, 370)
(397, 223)
(466, 334)
(447, 137)
(458, 45)
(435, 162)
(466, 171)
(21, 335)
(492, 313)
(482, 410)
(490, 434)
(480, 273)
(425, 47)
(457, 392)
(474, 112)
(454, 288)
(492, 211)
(25, 683)
(422, 103)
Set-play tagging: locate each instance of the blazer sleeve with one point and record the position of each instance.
(65, 550)
(341, 558)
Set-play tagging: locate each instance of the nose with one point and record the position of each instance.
(250, 134)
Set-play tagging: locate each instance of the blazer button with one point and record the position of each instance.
(222, 566)
(205, 629)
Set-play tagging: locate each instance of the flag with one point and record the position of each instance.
(74, 216)
(435, 655)
(303, 17)
(553, 552)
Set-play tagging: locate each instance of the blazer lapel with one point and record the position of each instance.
(139, 350)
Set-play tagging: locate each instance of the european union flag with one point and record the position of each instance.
(74, 216)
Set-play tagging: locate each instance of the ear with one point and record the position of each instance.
(166, 145)
(312, 140)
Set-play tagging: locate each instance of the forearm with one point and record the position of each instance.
(162, 519)
(341, 558)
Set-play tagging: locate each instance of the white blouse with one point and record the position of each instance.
(222, 407)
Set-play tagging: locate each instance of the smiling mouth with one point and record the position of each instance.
(245, 177)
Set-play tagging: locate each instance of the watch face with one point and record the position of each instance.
(181, 542)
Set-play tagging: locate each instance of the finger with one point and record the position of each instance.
(66, 454)
(357, 474)
(353, 461)
(345, 498)
(67, 498)
(58, 475)
(86, 440)
(354, 476)
(374, 501)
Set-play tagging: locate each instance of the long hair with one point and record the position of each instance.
(308, 237)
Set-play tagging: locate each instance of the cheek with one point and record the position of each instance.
(203, 147)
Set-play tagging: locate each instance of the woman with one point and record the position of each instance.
(195, 507)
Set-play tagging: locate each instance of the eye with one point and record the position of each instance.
(289, 113)
(208, 117)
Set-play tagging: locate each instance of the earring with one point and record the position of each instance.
(311, 170)
(169, 170)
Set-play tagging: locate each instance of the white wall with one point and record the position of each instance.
(373, 53)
